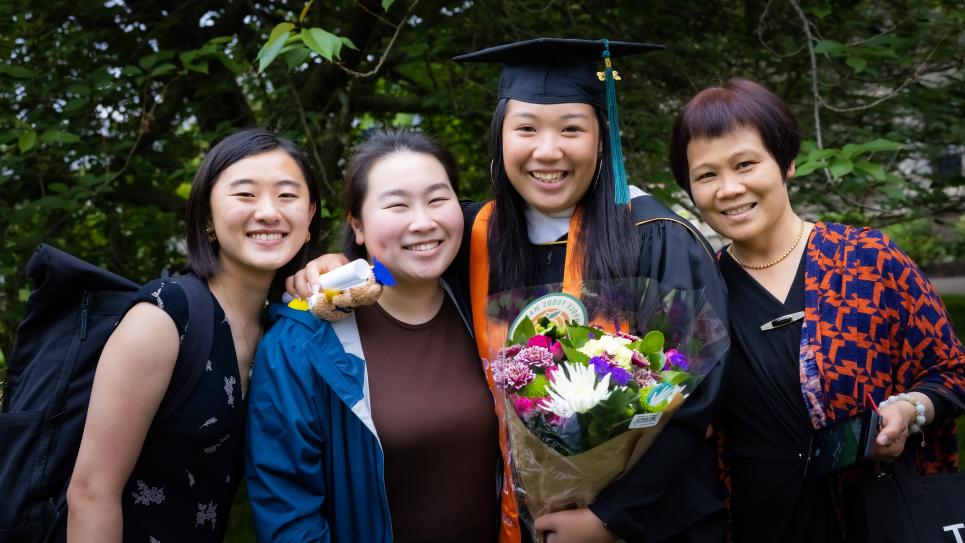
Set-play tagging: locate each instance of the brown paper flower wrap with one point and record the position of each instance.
(549, 481)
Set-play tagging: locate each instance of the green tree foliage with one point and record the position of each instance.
(106, 107)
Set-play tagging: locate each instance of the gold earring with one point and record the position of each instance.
(308, 237)
(212, 236)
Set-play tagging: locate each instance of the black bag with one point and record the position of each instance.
(70, 314)
(902, 506)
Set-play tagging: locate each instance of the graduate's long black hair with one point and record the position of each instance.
(610, 245)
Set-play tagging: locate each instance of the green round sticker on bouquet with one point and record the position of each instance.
(561, 309)
(661, 395)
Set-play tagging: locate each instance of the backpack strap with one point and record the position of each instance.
(195, 348)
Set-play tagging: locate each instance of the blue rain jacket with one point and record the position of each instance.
(314, 462)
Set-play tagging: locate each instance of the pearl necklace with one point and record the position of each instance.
(800, 234)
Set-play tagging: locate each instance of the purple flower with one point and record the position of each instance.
(617, 374)
(677, 358)
(620, 376)
(536, 357)
(600, 365)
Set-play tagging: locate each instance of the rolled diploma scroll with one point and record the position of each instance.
(344, 277)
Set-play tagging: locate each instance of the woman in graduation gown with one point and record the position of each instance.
(561, 213)
(823, 316)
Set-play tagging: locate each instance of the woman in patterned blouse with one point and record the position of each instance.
(826, 319)
(137, 478)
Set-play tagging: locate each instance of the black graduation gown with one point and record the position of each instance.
(769, 431)
(673, 493)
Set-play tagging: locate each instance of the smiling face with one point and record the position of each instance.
(410, 219)
(260, 211)
(738, 186)
(550, 152)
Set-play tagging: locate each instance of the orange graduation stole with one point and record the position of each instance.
(509, 529)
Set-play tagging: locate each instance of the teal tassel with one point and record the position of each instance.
(621, 190)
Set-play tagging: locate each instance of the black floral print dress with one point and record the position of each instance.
(191, 463)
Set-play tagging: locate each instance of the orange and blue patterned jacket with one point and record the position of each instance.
(875, 326)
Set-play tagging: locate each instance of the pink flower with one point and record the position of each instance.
(550, 370)
(510, 372)
(557, 351)
(645, 377)
(639, 360)
(525, 407)
(554, 420)
(625, 335)
(539, 341)
(512, 375)
(510, 351)
(536, 357)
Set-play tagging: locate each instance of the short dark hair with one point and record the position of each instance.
(717, 111)
(203, 254)
(380, 144)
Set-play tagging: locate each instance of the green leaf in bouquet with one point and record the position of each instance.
(652, 342)
(536, 388)
(594, 433)
(572, 354)
(548, 328)
(608, 417)
(578, 335)
(674, 377)
(657, 360)
(524, 331)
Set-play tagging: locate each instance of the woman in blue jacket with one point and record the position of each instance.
(375, 427)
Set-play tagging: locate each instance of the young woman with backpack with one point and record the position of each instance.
(252, 212)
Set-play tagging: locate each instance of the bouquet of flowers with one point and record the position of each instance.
(587, 384)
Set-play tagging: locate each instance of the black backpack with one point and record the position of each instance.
(72, 311)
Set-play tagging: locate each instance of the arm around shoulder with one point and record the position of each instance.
(132, 376)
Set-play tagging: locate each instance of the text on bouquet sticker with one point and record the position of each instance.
(645, 420)
(561, 309)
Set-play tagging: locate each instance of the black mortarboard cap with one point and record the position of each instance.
(560, 70)
(554, 70)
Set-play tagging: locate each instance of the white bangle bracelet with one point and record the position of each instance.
(916, 426)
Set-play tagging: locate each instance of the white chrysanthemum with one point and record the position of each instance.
(614, 346)
(574, 390)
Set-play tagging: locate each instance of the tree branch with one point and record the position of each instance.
(388, 48)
